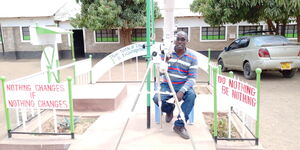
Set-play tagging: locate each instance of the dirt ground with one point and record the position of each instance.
(280, 103)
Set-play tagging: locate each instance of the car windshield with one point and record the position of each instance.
(270, 40)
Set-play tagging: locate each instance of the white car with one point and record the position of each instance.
(268, 52)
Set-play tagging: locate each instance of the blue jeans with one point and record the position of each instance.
(187, 105)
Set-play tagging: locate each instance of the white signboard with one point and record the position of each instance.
(238, 94)
(43, 96)
(117, 57)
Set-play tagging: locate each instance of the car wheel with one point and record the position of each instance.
(248, 74)
(288, 73)
(223, 68)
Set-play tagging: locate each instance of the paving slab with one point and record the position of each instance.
(107, 129)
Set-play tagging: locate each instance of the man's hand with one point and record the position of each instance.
(179, 95)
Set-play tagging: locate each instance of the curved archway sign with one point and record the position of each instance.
(117, 57)
(132, 51)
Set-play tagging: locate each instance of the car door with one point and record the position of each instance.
(229, 54)
(239, 54)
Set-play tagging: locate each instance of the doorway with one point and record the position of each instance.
(78, 43)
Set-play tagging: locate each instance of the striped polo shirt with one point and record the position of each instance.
(183, 70)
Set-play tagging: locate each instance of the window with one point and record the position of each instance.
(213, 33)
(138, 35)
(290, 31)
(250, 30)
(25, 34)
(107, 35)
(239, 43)
(244, 43)
(234, 44)
(259, 41)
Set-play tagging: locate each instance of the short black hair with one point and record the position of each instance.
(182, 33)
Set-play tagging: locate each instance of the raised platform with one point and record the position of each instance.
(98, 97)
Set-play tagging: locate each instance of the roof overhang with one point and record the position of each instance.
(51, 30)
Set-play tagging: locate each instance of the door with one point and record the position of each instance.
(78, 43)
(229, 55)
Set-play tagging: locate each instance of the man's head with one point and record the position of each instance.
(180, 41)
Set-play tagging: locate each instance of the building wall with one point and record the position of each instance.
(92, 47)
(8, 39)
(195, 43)
(23, 45)
(158, 34)
(64, 45)
(14, 47)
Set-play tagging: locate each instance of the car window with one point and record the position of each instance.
(265, 40)
(234, 45)
(244, 43)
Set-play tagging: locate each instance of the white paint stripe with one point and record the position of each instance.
(179, 61)
(194, 67)
(184, 63)
(172, 60)
(177, 76)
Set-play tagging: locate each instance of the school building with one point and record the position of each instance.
(16, 17)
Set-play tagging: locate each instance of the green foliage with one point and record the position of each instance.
(111, 14)
(222, 128)
(218, 12)
(67, 122)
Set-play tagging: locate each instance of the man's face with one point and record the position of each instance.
(180, 42)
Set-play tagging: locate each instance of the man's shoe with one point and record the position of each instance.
(181, 131)
(169, 117)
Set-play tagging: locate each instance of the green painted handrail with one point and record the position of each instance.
(230, 74)
(148, 32)
(258, 77)
(7, 115)
(74, 71)
(58, 72)
(49, 73)
(219, 69)
(215, 70)
(71, 106)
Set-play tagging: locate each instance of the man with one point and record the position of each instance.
(182, 69)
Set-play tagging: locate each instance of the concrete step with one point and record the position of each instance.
(31, 142)
(238, 145)
(98, 97)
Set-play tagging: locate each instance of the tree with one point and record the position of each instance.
(274, 13)
(295, 5)
(112, 14)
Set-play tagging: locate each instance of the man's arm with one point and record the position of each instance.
(191, 81)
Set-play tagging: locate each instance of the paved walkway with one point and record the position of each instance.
(105, 132)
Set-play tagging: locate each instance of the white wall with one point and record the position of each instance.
(13, 22)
